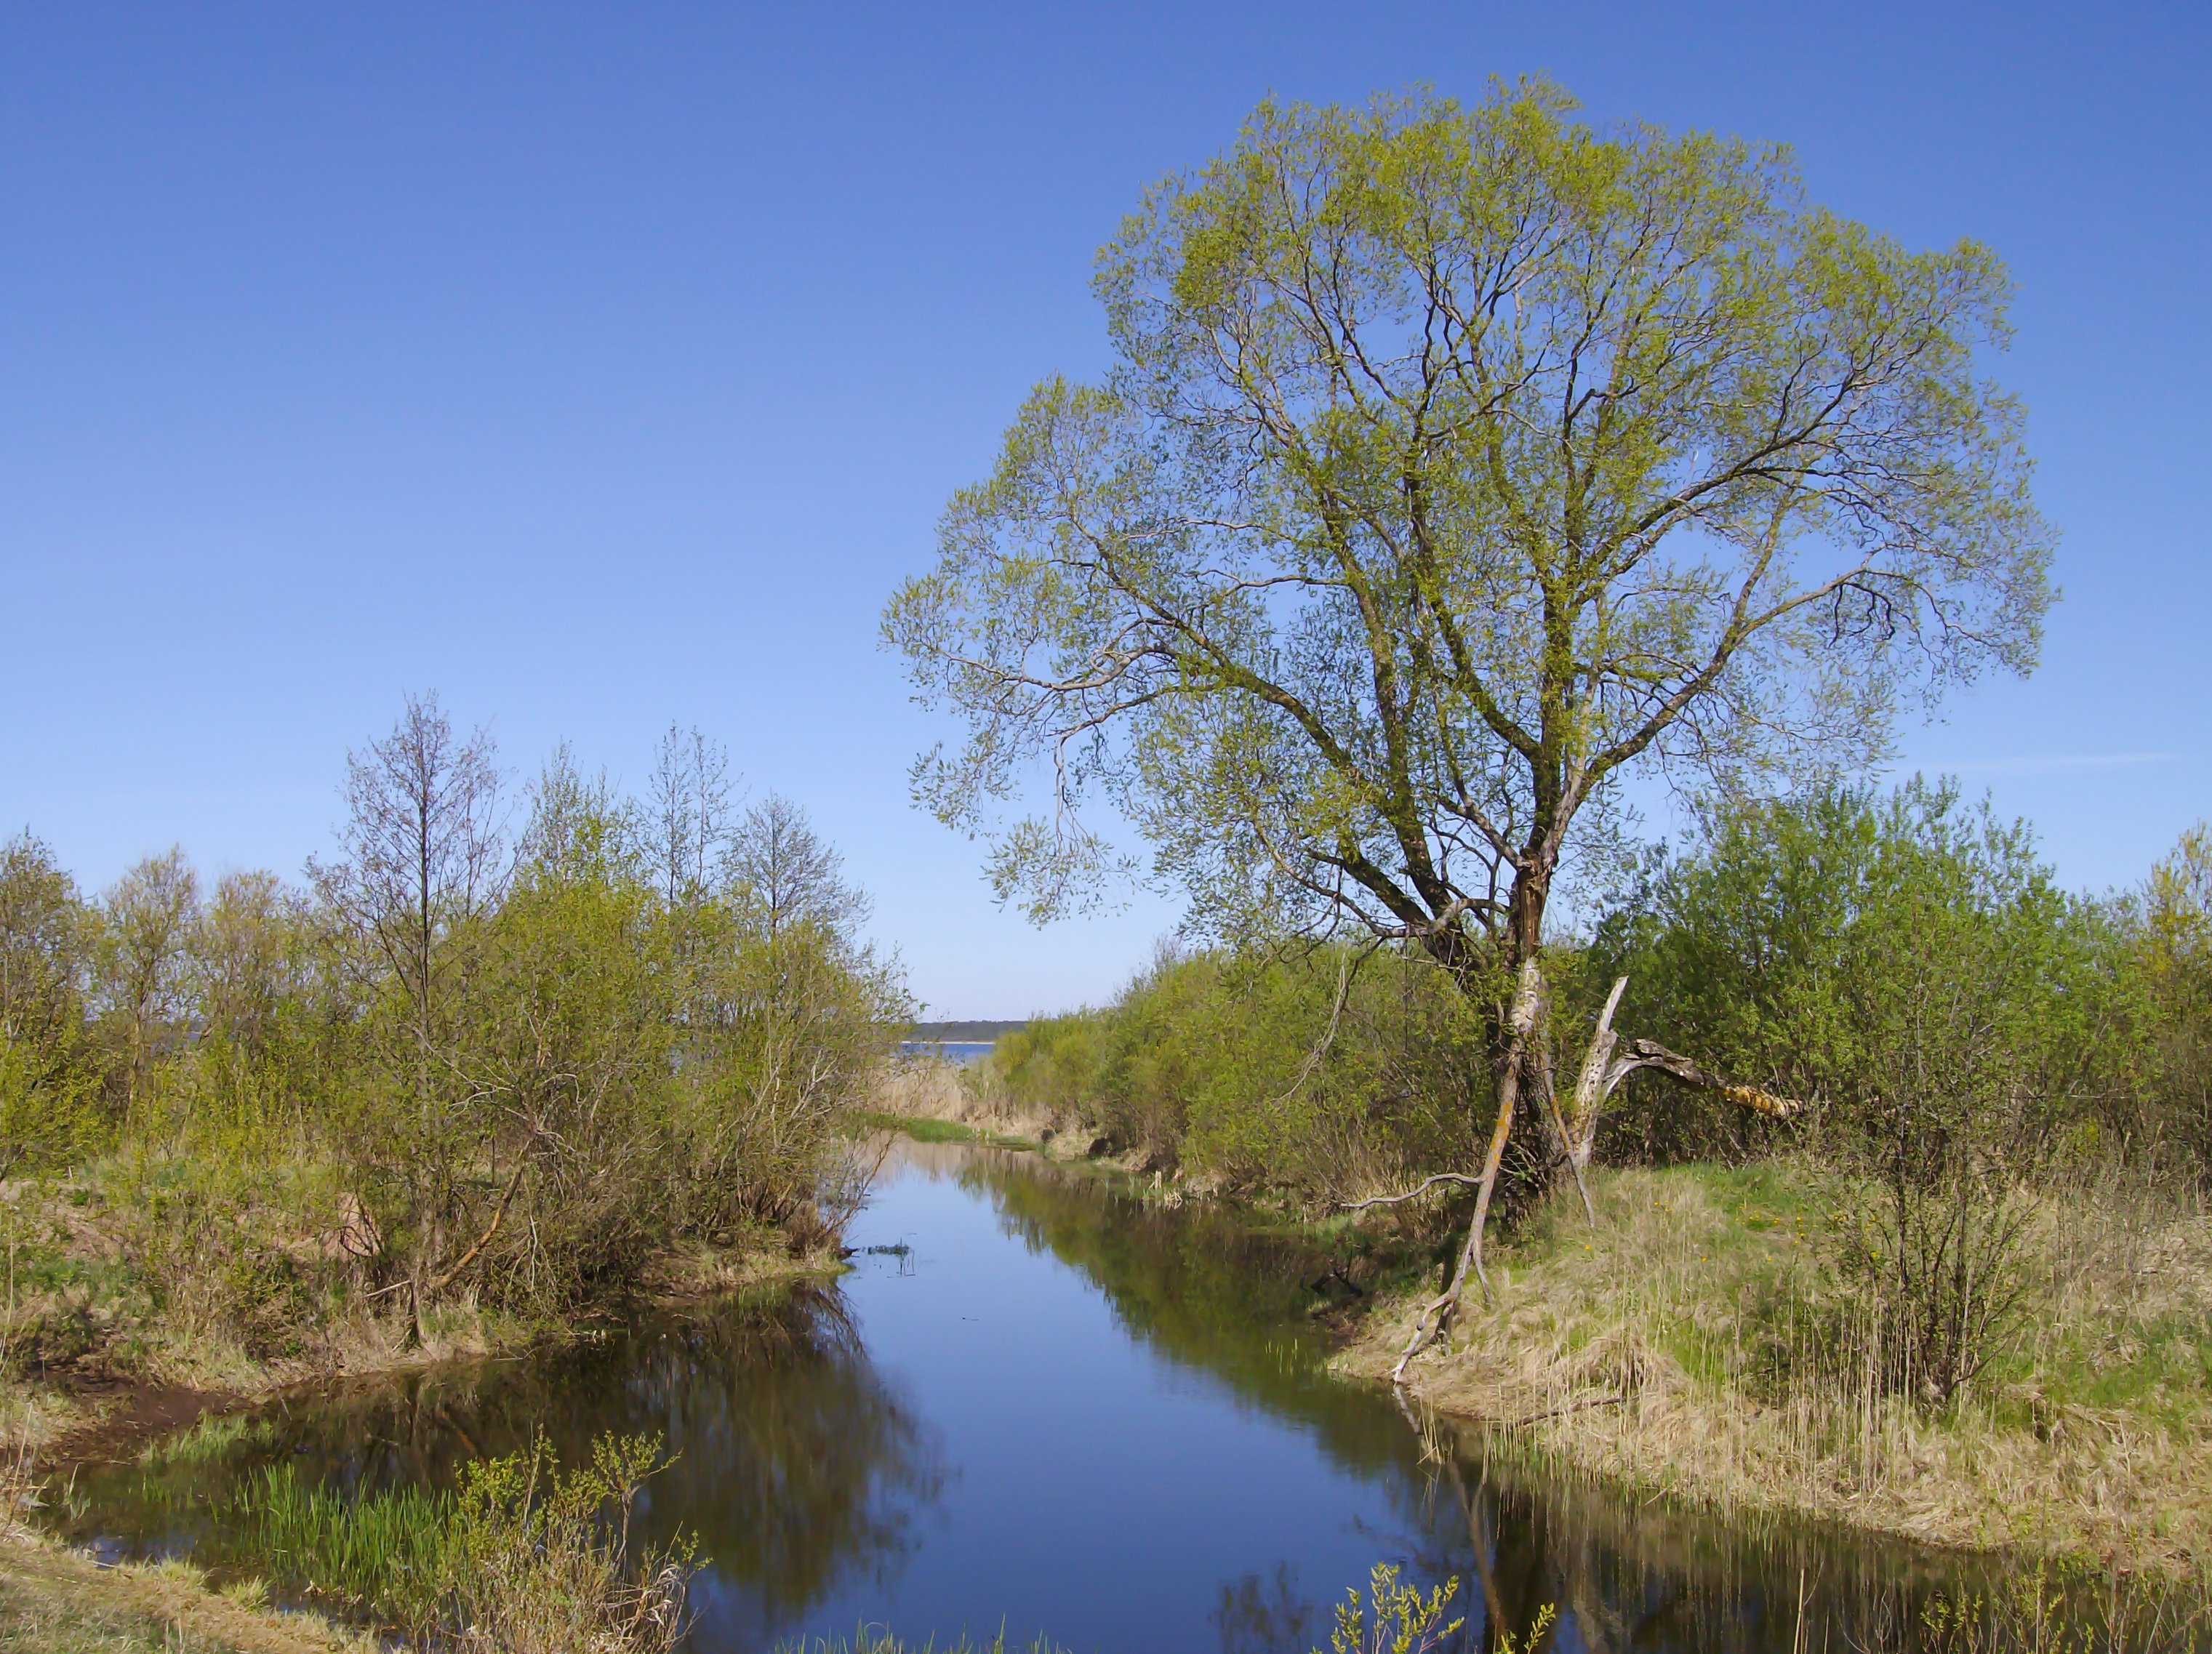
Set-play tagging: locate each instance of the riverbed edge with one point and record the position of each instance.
(100, 1414)
(2095, 1492)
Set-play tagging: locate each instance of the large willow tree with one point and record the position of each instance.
(1454, 464)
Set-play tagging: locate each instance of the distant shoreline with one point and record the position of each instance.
(961, 1033)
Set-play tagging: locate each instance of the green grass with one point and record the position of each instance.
(521, 1553)
(387, 1553)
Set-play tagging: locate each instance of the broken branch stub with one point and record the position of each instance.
(1651, 1054)
(1609, 1061)
(1591, 1087)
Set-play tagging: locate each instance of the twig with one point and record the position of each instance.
(1583, 1406)
(1418, 1189)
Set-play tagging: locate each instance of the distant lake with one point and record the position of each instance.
(960, 1051)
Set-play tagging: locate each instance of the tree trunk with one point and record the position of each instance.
(1522, 1031)
(1524, 1074)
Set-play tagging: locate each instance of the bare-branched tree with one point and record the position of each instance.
(422, 849)
(783, 873)
(146, 924)
(691, 812)
(423, 861)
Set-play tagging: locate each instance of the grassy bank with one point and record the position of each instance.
(1694, 1342)
(118, 1317)
(55, 1601)
(521, 1557)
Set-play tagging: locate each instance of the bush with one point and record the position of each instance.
(1961, 1029)
(511, 1081)
(1320, 1073)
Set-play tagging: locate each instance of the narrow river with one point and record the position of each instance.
(1061, 1409)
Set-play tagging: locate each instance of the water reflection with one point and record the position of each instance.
(1623, 1572)
(1069, 1409)
(798, 1468)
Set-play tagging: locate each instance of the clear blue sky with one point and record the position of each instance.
(603, 366)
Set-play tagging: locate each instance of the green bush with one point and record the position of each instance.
(1318, 1074)
(1967, 1036)
(450, 1070)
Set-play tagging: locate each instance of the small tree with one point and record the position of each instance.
(2175, 935)
(1908, 966)
(422, 861)
(146, 922)
(1455, 464)
(783, 873)
(49, 1079)
(690, 815)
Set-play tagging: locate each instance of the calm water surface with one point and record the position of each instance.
(1060, 1409)
(958, 1052)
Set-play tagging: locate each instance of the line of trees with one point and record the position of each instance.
(1968, 1042)
(504, 1051)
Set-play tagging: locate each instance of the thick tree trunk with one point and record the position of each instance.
(1523, 1031)
(1524, 1077)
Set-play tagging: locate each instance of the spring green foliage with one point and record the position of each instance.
(1456, 462)
(451, 1069)
(1966, 1033)
(1972, 1042)
(1320, 1072)
(1906, 965)
(1397, 1618)
(520, 1555)
(50, 1078)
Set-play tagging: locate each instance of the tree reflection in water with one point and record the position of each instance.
(810, 1478)
(1624, 1572)
(796, 1465)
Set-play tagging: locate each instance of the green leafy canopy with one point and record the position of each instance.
(1454, 463)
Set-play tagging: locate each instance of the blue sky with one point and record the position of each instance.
(599, 366)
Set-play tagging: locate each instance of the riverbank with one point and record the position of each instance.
(53, 1601)
(1691, 1345)
(98, 1353)
(1687, 1344)
(76, 1416)
(928, 1099)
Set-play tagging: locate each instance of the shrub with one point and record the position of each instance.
(1320, 1073)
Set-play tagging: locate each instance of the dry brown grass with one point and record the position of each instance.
(55, 1601)
(930, 1088)
(122, 1351)
(1692, 1344)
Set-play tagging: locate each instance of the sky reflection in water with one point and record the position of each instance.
(1060, 1409)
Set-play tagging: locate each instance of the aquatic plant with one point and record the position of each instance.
(521, 1558)
(1397, 1618)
